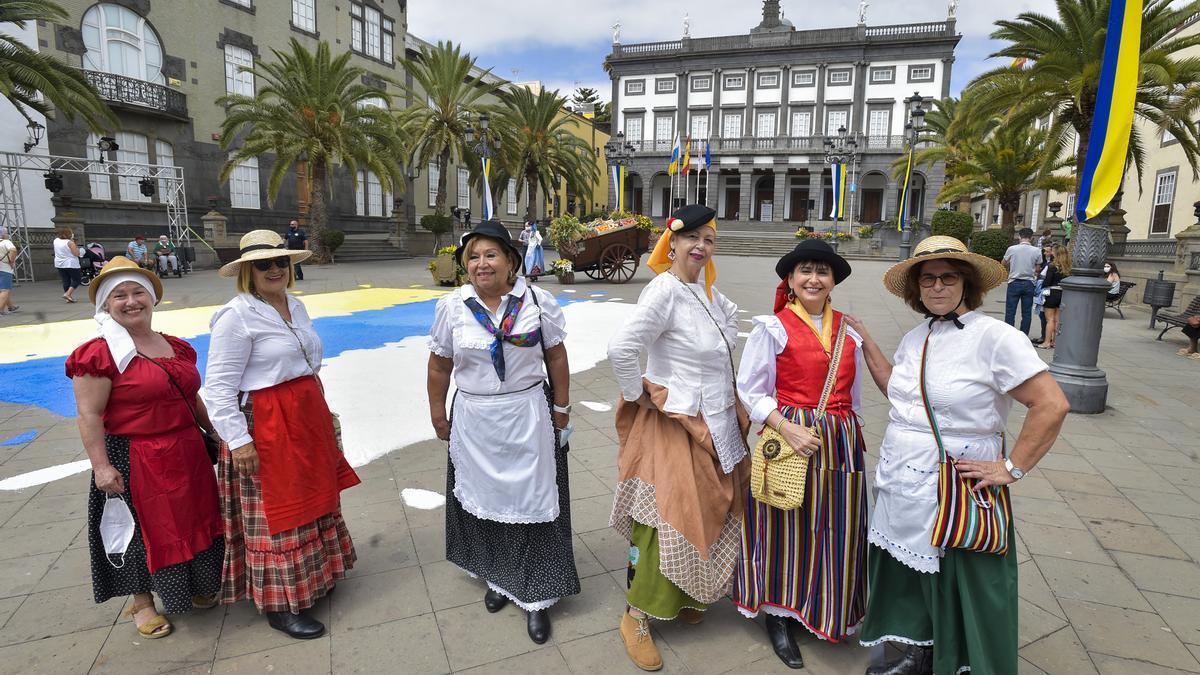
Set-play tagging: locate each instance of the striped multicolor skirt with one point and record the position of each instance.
(809, 563)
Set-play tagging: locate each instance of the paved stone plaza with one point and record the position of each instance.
(1108, 529)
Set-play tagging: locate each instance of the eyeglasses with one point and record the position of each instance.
(263, 265)
(947, 279)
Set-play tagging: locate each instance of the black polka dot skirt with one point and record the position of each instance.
(531, 563)
(175, 585)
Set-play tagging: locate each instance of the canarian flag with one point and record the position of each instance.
(487, 190)
(618, 175)
(676, 151)
(839, 191)
(707, 154)
(687, 156)
(903, 215)
(1112, 122)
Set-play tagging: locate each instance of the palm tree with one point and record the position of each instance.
(1062, 79)
(25, 73)
(446, 95)
(537, 149)
(1010, 161)
(950, 126)
(313, 109)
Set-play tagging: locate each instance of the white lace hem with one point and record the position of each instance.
(663, 618)
(920, 563)
(440, 350)
(785, 613)
(901, 639)
(730, 447)
(527, 606)
(507, 518)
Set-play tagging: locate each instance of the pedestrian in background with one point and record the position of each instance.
(535, 261)
(1021, 261)
(297, 240)
(8, 262)
(164, 251)
(1056, 271)
(138, 252)
(66, 261)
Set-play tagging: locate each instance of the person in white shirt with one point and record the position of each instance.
(508, 512)
(952, 386)
(819, 578)
(8, 261)
(66, 261)
(280, 470)
(682, 465)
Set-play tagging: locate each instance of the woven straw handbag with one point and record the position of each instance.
(777, 472)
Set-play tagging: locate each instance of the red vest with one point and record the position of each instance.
(801, 368)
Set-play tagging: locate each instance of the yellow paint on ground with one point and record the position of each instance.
(24, 343)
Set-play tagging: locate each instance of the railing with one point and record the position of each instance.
(1149, 248)
(1194, 263)
(932, 27)
(140, 93)
(866, 144)
(824, 36)
(651, 47)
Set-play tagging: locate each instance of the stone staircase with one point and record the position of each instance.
(761, 244)
(366, 247)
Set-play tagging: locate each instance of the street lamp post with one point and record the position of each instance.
(843, 149)
(618, 152)
(481, 144)
(916, 123)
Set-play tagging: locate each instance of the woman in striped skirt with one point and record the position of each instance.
(806, 565)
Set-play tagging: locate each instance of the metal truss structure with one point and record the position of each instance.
(168, 180)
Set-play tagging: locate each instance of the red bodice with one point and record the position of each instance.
(801, 368)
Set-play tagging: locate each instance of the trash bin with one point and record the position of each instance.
(189, 254)
(1158, 294)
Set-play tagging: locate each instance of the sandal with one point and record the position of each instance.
(1183, 351)
(204, 601)
(155, 628)
(1195, 356)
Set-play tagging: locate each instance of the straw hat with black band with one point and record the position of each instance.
(261, 245)
(991, 273)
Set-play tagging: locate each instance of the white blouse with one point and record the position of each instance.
(686, 353)
(457, 335)
(968, 377)
(756, 372)
(253, 348)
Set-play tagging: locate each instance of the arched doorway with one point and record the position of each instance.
(660, 195)
(763, 204)
(633, 193)
(871, 188)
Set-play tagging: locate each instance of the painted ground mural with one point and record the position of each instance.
(373, 372)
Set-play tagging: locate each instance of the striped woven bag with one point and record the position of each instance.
(976, 520)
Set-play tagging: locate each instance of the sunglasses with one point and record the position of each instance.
(282, 262)
(947, 279)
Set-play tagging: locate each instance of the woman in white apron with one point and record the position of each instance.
(508, 518)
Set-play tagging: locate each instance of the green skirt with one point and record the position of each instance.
(967, 610)
(650, 591)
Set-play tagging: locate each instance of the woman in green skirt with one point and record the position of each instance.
(954, 609)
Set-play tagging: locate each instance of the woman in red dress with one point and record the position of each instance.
(136, 391)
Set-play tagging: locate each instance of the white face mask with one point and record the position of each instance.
(1107, 269)
(116, 528)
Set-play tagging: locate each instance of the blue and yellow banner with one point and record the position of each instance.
(618, 176)
(676, 151)
(839, 191)
(903, 214)
(1112, 123)
(487, 190)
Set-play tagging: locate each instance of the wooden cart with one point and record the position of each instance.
(613, 256)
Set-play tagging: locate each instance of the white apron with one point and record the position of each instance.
(502, 447)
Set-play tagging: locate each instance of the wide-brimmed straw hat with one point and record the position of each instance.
(120, 263)
(991, 273)
(260, 245)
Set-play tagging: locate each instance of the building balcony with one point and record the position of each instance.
(790, 145)
(138, 95)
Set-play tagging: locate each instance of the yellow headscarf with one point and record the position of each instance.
(660, 262)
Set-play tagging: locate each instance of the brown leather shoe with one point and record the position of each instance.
(638, 643)
(691, 616)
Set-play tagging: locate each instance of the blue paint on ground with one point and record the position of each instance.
(21, 439)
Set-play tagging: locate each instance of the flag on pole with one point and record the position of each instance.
(839, 191)
(903, 215)
(707, 154)
(673, 167)
(487, 190)
(1108, 142)
(687, 156)
(616, 176)
(621, 185)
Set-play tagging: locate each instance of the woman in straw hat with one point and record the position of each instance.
(954, 608)
(508, 502)
(280, 471)
(807, 564)
(136, 392)
(682, 467)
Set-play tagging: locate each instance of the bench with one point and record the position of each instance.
(1179, 320)
(1115, 303)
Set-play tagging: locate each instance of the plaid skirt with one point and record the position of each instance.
(285, 572)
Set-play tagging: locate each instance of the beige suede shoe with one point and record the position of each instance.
(691, 616)
(638, 643)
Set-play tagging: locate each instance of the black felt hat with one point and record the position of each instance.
(492, 229)
(690, 217)
(817, 251)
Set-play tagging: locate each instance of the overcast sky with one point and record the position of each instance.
(564, 42)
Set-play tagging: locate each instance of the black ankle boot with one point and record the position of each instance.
(538, 625)
(299, 626)
(781, 641)
(917, 660)
(493, 601)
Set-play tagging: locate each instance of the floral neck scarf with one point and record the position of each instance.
(504, 332)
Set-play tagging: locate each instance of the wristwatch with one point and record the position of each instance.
(564, 409)
(1014, 470)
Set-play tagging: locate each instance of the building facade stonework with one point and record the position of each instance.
(765, 102)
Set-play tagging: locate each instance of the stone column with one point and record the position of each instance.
(859, 102)
(73, 220)
(750, 124)
(819, 106)
(1077, 351)
(1187, 249)
(785, 118)
(1052, 225)
(398, 225)
(214, 223)
(746, 180)
(779, 197)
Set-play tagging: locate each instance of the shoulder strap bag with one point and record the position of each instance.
(975, 520)
(211, 446)
(559, 440)
(778, 473)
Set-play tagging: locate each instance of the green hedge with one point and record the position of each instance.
(957, 224)
(436, 224)
(992, 243)
(332, 239)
